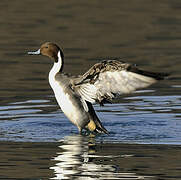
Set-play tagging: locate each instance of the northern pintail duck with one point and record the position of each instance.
(100, 84)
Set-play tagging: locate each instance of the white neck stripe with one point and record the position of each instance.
(57, 65)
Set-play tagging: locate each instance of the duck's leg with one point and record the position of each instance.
(80, 130)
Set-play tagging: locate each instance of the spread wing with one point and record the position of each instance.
(109, 79)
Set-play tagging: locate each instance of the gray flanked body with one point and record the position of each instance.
(71, 104)
(100, 84)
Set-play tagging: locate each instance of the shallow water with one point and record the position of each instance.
(147, 34)
(139, 118)
(76, 157)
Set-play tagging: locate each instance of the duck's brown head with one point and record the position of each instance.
(49, 49)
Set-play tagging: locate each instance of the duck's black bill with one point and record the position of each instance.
(35, 52)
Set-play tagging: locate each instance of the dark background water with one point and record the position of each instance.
(147, 34)
(143, 32)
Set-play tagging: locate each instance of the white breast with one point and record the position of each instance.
(64, 100)
(74, 110)
(74, 113)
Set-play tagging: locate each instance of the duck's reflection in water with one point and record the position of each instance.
(77, 160)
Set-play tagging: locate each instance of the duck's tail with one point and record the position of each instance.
(95, 124)
(155, 75)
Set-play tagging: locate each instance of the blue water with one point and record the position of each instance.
(143, 117)
(147, 34)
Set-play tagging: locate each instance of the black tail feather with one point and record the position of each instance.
(155, 75)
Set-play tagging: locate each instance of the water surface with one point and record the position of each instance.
(31, 123)
(76, 157)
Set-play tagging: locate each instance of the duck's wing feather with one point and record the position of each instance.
(108, 79)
